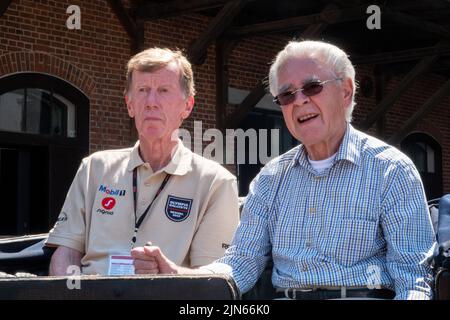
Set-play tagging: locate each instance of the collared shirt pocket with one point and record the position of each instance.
(348, 241)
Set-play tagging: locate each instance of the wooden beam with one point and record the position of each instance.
(314, 30)
(135, 32)
(223, 51)
(175, 8)
(248, 104)
(400, 56)
(274, 26)
(259, 90)
(389, 100)
(443, 92)
(416, 23)
(329, 15)
(419, 5)
(197, 51)
(441, 65)
(4, 6)
(380, 90)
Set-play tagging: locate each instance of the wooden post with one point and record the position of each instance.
(4, 6)
(223, 51)
(197, 51)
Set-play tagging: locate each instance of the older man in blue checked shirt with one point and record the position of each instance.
(342, 215)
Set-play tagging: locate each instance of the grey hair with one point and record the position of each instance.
(323, 52)
(153, 59)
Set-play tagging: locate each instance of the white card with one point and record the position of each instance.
(120, 265)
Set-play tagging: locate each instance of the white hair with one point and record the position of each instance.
(323, 52)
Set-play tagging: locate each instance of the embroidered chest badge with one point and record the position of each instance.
(178, 209)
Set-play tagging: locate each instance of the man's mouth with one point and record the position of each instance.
(153, 119)
(307, 117)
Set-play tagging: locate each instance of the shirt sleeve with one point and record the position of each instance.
(408, 232)
(251, 248)
(217, 225)
(70, 227)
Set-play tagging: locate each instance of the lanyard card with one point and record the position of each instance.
(120, 265)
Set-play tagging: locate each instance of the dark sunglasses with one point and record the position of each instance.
(310, 89)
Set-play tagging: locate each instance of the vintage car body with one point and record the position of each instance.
(24, 265)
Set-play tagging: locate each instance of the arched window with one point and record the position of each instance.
(43, 136)
(426, 153)
(37, 111)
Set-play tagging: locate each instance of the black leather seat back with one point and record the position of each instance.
(27, 254)
(156, 287)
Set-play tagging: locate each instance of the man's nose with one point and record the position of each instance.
(301, 98)
(151, 100)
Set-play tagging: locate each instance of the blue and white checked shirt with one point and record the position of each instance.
(362, 222)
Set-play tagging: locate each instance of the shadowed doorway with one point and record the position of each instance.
(44, 123)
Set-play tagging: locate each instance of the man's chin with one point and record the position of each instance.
(153, 135)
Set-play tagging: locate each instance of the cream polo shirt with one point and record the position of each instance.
(192, 220)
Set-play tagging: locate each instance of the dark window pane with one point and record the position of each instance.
(33, 109)
(37, 111)
(419, 156)
(11, 110)
(430, 160)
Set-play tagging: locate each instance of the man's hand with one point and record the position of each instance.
(150, 260)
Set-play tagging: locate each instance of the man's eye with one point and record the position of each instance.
(142, 89)
(286, 94)
(163, 90)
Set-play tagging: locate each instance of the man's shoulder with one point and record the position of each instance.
(276, 168)
(210, 168)
(108, 156)
(378, 150)
(283, 161)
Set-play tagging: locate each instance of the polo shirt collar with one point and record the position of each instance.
(349, 150)
(180, 163)
(135, 158)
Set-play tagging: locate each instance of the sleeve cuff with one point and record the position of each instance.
(218, 267)
(66, 242)
(413, 295)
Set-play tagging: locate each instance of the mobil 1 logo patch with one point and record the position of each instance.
(178, 209)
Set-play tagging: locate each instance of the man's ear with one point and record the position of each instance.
(188, 107)
(129, 106)
(348, 89)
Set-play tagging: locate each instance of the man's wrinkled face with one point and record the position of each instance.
(157, 102)
(314, 120)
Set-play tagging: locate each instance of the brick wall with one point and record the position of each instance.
(435, 123)
(97, 52)
(33, 37)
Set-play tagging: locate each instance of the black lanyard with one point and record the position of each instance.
(137, 223)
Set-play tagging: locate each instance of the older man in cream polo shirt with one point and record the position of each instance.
(158, 191)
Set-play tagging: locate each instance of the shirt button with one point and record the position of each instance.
(304, 268)
(312, 210)
(308, 244)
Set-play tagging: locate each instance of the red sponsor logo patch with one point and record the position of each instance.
(108, 203)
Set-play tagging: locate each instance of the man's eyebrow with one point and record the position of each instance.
(285, 87)
(311, 79)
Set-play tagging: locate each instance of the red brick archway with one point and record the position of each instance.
(41, 62)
